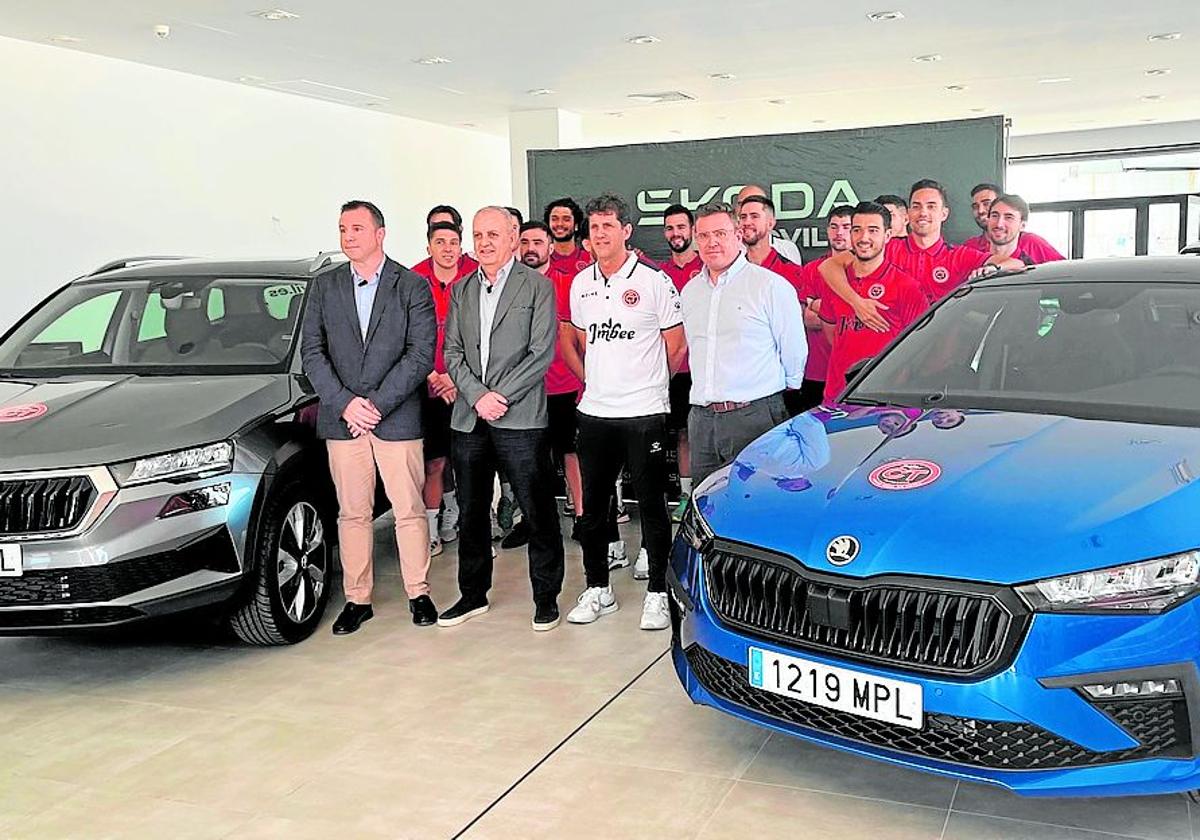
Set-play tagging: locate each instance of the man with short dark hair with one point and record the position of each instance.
(1006, 233)
(875, 277)
(745, 332)
(982, 196)
(565, 219)
(500, 337)
(444, 213)
(898, 207)
(627, 338)
(444, 267)
(368, 345)
(786, 247)
(683, 264)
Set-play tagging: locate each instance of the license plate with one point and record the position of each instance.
(859, 694)
(10, 560)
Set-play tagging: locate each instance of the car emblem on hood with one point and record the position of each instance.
(842, 550)
(18, 413)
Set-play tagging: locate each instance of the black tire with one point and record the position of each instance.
(292, 575)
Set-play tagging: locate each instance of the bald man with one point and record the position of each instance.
(782, 245)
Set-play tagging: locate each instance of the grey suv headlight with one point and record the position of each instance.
(198, 462)
(1148, 586)
(694, 529)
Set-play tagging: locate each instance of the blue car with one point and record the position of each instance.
(983, 561)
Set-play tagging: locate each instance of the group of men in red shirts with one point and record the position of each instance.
(887, 264)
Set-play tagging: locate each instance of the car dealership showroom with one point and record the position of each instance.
(743, 416)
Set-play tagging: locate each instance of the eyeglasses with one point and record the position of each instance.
(714, 235)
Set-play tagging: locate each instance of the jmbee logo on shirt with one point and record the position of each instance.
(610, 330)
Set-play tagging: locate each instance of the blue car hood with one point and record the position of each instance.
(981, 496)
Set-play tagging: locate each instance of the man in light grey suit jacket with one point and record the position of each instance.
(500, 339)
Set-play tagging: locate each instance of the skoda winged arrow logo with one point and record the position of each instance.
(842, 550)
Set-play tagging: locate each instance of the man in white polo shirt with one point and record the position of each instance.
(745, 334)
(627, 325)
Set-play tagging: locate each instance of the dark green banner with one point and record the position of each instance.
(806, 174)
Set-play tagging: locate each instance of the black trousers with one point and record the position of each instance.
(606, 444)
(524, 456)
(809, 395)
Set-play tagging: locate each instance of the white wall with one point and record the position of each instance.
(101, 158)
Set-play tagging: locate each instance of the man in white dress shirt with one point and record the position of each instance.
(746, 342)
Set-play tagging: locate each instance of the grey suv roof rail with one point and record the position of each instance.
(125, 262)
(324, 259)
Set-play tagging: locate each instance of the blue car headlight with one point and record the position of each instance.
(694, 529)
(1148, 586)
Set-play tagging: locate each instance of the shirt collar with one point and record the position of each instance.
(625, 270)
(501, 275)
(734, 268)
(372, 280)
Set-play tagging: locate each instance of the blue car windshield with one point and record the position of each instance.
(193, 325)
(1124, 351)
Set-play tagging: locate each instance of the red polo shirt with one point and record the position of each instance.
(1031, 248)
(441, 300)
(559, 379)
(572, 263)
(812, 287)
(853, 341)
(940, 268)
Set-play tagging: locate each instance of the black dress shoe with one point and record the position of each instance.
(423, 611)
(545, 617)
(517, 537)
(464, 610)
(575, 531)
(352, 617)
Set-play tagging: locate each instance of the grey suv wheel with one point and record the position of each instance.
(293, 561)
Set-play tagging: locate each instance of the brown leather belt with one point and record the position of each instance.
(723, 407)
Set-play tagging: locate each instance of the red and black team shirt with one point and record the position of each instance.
(572, 263)
(441, 299)
(940, 268)
(680, 277)
(854, 341)
(559, 379)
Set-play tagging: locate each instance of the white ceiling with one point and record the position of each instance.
(827, 64)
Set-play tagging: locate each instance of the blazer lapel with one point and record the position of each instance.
(383, 296)
(468, 320)
(343, 283)
(512, 287)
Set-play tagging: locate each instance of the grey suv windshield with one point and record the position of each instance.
(1112, 351)
(160, 325)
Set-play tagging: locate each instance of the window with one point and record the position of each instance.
(82, 328)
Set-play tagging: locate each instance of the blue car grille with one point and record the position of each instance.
(44, 505)
(922, 626)
(1159, 726)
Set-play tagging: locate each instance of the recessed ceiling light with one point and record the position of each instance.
(927, 59)
(723, 77)
(956, 88)
(676, 131)
(1147, 119)
(1054, 80)
(540, 92)
(777, 102)
(642, 40)
(468, 125)
(883, 17)
(250, 80)
(820, 122)
(1159, 71)
(1153, 97)
(64, 39)
(430, 60)
(454, 91)
(616, 114)
(275, 15)
(978, 110)
(1165, 36)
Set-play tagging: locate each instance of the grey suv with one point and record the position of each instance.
(157, 453)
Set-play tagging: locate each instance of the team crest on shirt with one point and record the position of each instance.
(876, 291)
(631, 298)
(941, 274)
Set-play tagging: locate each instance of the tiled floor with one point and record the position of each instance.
(400, 732)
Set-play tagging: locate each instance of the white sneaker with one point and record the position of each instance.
(617, 558)
(593, 603)
(435, 547)
(641, 566)
(655, 614)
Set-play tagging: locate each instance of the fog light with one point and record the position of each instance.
(196, 500)
(1144, 688)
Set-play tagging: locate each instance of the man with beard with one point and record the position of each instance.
(898, 207)
(683, 264)
(1007, 216)
(565, 219)
(811, 290)
(786, 247)
(875, 277)
(982, 196)
(1031, 245)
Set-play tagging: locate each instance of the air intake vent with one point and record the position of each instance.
(664, 96)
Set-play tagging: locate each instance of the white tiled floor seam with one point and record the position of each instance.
(950, 810)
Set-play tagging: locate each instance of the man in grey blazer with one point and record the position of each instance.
(368, 342)
(500, 339)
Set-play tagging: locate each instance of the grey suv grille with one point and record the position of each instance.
(44, 505)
